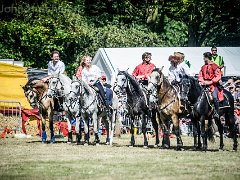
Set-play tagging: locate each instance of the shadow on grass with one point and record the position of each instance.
(184, 148)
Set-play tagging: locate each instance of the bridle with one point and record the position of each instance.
(80, 93)
(124, 84)
(158, 87)
(54, 89)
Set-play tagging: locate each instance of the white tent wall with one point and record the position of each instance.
(111, 59)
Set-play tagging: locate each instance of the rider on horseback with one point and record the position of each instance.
(92, 75)
(210, 75)
(144, 70)
(177, 69)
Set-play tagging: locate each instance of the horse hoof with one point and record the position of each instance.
(131, 146)
(85, 144)
(97, 144)
(107, 143)
(69, 142)
(180, 149)
(145, 147)
(165, 146)
(156, 146)
(44, 142)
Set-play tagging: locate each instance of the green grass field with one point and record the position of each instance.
(30, 159)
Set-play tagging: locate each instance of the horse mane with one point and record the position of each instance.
(64, 77)
(165, 81)
(31, 80)
(194, 83)
(133, 82)
(85, 86)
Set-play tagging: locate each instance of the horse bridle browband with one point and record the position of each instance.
(81, 95)
(125, 81)
(58, 81)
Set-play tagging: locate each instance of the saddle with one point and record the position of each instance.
(223, 101)
(100, 100)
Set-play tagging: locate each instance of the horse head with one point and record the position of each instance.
(121, 83)
(31, 95)
(76, 90)
(185, 86)
(55, 87)
(154, 84)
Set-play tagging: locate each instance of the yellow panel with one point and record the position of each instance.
(12, 77)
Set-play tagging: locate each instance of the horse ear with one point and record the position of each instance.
(23, 87)
(161, 68)
(127, 69)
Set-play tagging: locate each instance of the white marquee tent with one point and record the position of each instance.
(111, 59)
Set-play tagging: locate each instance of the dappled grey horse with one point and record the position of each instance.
(136, 101)
(59, 87)
(84, 98)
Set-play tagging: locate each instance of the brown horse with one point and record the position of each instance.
(164, 98)
(35, 91)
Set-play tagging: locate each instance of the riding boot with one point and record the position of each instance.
(102, 93)
(216, 106)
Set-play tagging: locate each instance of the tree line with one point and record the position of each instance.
(31, 29)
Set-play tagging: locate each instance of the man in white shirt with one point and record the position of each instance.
(56, 65)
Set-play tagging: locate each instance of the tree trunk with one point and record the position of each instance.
(192, 36)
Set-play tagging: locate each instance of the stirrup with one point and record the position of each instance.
(216, 115)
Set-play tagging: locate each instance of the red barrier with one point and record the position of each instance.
(26, 113)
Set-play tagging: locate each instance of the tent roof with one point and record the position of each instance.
(109, 59)
(12, 77)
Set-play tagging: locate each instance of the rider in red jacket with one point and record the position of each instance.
(210, 75)
(144, 70)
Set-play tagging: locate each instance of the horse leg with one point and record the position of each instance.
(44, 134)
(220, 130)
(177, 131)
(86, 131)
(144, 129)
(69, 128)
(50, 116)
(203, 133)
(77, 128)
(95, 128)
(155, 126)
(113, 123)
(107, 130)
(165, 140)
(199, 135)
(233, 130)
(196, 134)
(132, 132)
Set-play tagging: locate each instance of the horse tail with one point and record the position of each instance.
(212, 130)
(118, 127)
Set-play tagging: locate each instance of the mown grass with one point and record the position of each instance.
(30, 159)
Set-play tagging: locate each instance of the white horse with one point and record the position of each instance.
(83, 97)
(59, 86)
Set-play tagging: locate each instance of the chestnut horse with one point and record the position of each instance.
(165, 99)
(35, 91)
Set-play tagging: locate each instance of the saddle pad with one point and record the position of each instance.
(224, 104)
